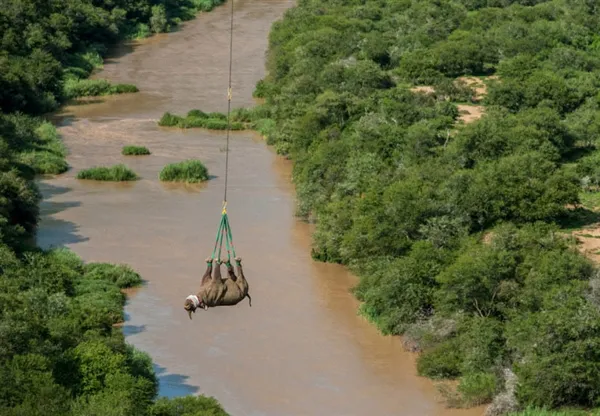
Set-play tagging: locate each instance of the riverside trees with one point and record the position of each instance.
(453, 229)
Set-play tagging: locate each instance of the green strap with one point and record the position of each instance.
(230, 238)
(224, 230)
(223, 233)
(218, 237)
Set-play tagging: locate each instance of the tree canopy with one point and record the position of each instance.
(61, 350)
(454, 229)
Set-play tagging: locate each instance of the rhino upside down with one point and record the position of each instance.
(216, 291)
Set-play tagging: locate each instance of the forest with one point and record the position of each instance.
(62, 352)
(461, 232)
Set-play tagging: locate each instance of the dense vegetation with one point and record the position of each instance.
(455, 230)
(116, 173)
(135, 151)
(190, 171)
(48, 48)
(60, 352)
(540, 412)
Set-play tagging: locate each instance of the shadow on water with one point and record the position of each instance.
(56, 232)
(129, 330)
(120, 50)
(59, 233)
(60, 118)
(173, 385)
(50, 190)
(51, 208)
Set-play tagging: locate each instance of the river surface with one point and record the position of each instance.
(300, 349)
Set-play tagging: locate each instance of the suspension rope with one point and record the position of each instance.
(224, 230)
(229, 96)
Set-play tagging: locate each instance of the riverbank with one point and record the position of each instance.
(454, 229)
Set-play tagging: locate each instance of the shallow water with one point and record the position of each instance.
(300, 349)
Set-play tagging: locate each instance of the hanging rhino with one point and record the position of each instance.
(216, 291)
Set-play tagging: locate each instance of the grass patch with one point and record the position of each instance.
(589, 235)
(76, 87)
(117, 173)
(190, 171)
(590, 200)
(135, 151)
(210, 121)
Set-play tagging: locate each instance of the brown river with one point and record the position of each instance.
(301, 349)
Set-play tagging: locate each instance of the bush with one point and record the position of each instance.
(216, 124)
(211, 121)
(191, 171)
(121, 275)
(441, 362)
(169, 120)
(123, 89)
(45, 153)
(206, 5)
(135, 151)
(532, 411)
(261, 89)
(477, 388)
(117, 173)
(44, 163)
(75, 88)
(197, 114)
(189, 405)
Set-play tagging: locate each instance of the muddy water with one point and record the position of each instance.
(300, 349)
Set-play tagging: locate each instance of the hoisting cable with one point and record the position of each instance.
(224, 229)
(228, 104)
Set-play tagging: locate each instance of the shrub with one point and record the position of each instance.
(44, 163)
(135, 151)
(117, 173)
(442, 361)
(75, 88)
(123, 89)
(121, 275)
(169, 120)
(158, 20)
(212, 121)
(197, 114)
(261, 89)
(46, 155)
(216, 124)
(533, 411)
(477, 388)
(191, 171)
(206, 5)
(188, 405)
